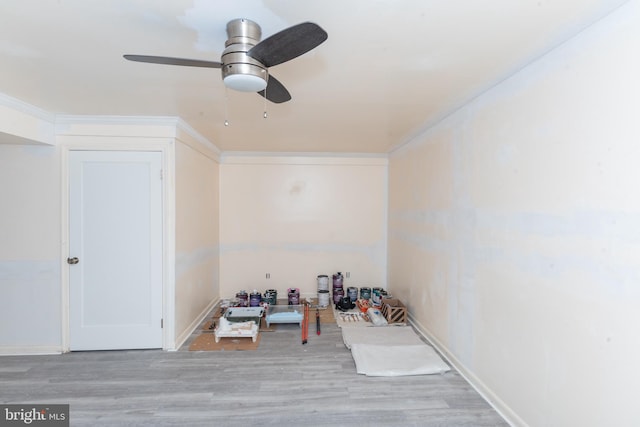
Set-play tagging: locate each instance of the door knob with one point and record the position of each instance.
(73, 260)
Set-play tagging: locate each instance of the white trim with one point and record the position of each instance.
(110, 120)
(209, 146)
(25, 350)
(193, 325)
(23, 107)
(64, 248)
(164, 126)
(24, 124)
(110, 143)
(266, 158)
(116, 126)
(196, 146)
(299, 154)
(169, 242)
(498, 404)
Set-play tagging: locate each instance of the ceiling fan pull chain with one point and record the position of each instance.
(226, 106)
(264, 99)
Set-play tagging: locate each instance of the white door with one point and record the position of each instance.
(115, 232)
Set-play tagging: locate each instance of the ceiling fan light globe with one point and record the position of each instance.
(245, 82)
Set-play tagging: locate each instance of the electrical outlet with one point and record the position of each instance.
(268, 275)
(347, 274)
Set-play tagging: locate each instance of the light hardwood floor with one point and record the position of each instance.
(283, 383)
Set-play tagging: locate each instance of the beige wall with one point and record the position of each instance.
(298, 217)
(197, 210)
(30, 249)
(514, 233)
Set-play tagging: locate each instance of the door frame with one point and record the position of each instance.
(166, 147)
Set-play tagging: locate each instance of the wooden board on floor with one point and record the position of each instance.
(209, 325)
(326, 315)
(207, 342)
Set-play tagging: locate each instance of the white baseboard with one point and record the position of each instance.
(24, 350)
(193, 325)
(498, 404)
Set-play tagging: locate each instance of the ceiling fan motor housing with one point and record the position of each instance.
(239, 70)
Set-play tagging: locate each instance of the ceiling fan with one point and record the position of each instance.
(245, 59)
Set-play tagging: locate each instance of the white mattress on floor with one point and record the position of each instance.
(376, 360)
(390, 351)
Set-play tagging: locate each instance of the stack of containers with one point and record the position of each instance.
(338, 290)
(323, 290)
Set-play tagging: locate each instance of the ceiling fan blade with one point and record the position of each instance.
(275, 91)
(173, 61)
(288, 44)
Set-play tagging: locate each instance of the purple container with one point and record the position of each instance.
(337, 281)
(243, 298)
(254, 299)
(293, 296)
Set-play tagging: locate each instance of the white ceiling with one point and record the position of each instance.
(388, 70)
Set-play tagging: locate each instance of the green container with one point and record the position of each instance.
(270, 297)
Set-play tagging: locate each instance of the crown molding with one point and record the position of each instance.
(200, 141)
(65, 121)
(303, 158)
(23, 107)
(166, 126)
(24, 124)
